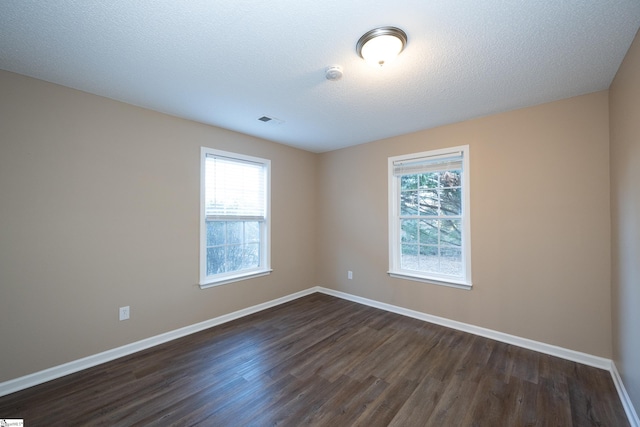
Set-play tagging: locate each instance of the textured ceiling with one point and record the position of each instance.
(227, 63)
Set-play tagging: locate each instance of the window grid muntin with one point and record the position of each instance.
(426, 186)
(244, 243)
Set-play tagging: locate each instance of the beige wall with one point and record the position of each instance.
(99, 208)
(625, 212)
(539, 219)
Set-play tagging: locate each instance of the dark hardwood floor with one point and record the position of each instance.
(323, 361)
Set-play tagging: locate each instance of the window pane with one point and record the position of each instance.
(428, 202)
(215, 233)
(451, 261)
(409, 203)
(234, 232)
(450, 178)
(429, 180)
(451, 201)
(251, 256)
(409, 230)
(215, 260)
(251, 231)
(409, 257)
(450, 232)
(237, 246)
(409, 182)
(429, 231)
(234, 257)
(429, 259)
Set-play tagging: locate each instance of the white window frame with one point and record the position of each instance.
(265, 229)
(395, 269)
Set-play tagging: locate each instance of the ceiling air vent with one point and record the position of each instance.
(270, 120)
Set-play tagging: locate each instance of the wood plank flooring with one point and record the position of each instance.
(323, 361)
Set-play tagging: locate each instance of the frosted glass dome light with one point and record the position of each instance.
(381, 45)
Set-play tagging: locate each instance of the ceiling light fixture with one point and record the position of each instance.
(381, 45)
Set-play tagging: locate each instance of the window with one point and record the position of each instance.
(234, 224)
(429, 217)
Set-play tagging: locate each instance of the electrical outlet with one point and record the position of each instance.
(350, 275)
(124, 313)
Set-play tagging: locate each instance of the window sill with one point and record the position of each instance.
(234, 278)
(425, 279)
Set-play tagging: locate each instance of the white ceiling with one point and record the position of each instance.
(227, 63)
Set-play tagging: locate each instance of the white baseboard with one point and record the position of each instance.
(632, 415)
(59, 371)
(40, 377)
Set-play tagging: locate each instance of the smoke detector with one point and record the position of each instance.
(333, 73)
